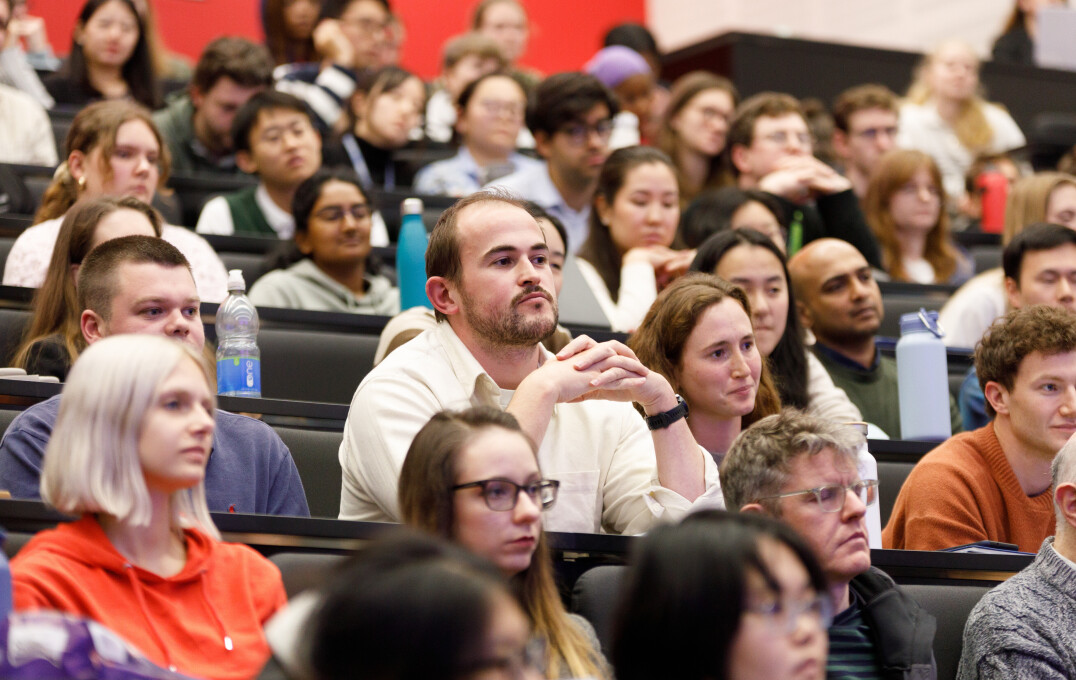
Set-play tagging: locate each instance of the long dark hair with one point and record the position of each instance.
(137, 71)
(284, 48)
(788, 361)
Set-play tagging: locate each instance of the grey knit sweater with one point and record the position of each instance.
(1025, 628)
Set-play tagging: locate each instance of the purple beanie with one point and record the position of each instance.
(613, 65)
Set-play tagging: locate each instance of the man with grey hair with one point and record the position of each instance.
(802, 470)
(1021, 628)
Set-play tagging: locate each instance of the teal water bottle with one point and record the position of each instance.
(411, 256)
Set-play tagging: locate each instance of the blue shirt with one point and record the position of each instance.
(972, 402)
(461, 175)
(534, 184)
(250, 470)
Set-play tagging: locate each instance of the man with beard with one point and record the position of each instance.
(839, 301)
(490, 284)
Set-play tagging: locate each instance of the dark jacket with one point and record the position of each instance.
(903, 632)
(834, 216)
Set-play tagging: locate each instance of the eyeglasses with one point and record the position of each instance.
(496, 109)
(832, 496)
(579, 133)
(783, 137)
(709, 114)
(784, 617)
(335, 213)
(871, 134)
(368, 25)
(502, 495)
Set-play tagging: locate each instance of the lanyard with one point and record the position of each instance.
(354, 153)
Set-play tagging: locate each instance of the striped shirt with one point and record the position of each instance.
(851, 652)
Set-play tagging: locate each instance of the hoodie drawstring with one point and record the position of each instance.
(136, 585)
(213, 610)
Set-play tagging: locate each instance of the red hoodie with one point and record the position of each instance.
(205, 621)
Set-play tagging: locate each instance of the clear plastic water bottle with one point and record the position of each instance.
(923, 378)
(411, 256)
(239, 368)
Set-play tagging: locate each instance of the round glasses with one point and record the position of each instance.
(502, 495)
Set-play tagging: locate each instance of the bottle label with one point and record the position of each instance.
(239, 376)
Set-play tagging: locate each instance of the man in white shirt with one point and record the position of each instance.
(491, 286)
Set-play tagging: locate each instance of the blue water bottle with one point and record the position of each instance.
(239, 369)
(923, 378)
(411, 256)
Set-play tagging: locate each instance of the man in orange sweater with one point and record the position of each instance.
(993, 483)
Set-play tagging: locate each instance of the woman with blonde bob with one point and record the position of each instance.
(905, 207)
(1042, 197)
(128, 455)
(472, 476)
(698, 334)
(54, 338)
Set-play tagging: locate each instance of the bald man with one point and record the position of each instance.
(839, 300)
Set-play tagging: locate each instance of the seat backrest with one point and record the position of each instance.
(891, 476)
(950, 605)
(13, 323)
(314, 365)
(303, 571)
(316, 454)
(5, 248)
(595, 597)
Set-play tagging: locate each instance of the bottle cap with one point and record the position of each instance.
(411, 206)
(235, 280)
(921, 321)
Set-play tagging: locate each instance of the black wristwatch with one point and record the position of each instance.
(662, 420)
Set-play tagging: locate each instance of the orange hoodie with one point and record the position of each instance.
(205, 621)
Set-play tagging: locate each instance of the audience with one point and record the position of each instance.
(109, 58)
(864, 129)
(53, 339)
(472, 477)
(491, 110)
(505, 22)
(197, 127)
(694, 131)
(329, 267)
(627, 257)
(724, 596)
(639, 38)
(754, 262)
(992, 484)
(139, 284)
(571, 117)
(626, 73)
(944, 116)
(25, 131)
(698, 335)
(770, 148)
(802, 471)
(274, 139)
(971, 209)
(466, 58)
(1043, 197)
(128, 458)
(289, 30)
(905, 206)
(490, 284)
(16, 67)
(717, 210)
(112, 149)
(1020, 628)
(1016, 43)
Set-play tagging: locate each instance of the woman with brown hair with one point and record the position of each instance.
(905, 207)
(54, 338)
(289, 30)
(472, 476)
(698, 334)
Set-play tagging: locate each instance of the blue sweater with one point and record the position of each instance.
(250, 470)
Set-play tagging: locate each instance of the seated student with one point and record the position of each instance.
(626, 73)
(139, 284)
(627, 257)
(128, 456)
(802, 471)
(770, 147)
(1042, 197)
(570, 116)
(971, 208)
(698, 335)
(289, 30)
(26, 135)
(465, 58)
(109, 58)
(16, 64)
(838, 300)
(755, 263)
(905, 206)
(864, 129)
(1040, 269)
(275, 140)
(716, 210)
(490, 283)
(472, 476)
(386, 106)
(198, 125)
(1022, 628)
(725, 597)
(113, 149)
(505, 21)
(332, 271)
(992, 484)
(490, 119)
(53, 340)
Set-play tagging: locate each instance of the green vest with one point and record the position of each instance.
(247, 217)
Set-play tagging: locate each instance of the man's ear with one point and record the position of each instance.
(1065, 500)
(441, 295)
(93, 326)
(997, 396)
(245, 161)
(1012, 293)
(755, 508)
(740, 156)
(806, 316)
(840, 144)
(542, 141)
(196, 96)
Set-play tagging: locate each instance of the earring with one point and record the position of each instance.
(82, 183)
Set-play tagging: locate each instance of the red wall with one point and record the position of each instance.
(563, 34)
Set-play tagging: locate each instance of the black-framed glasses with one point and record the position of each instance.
(579, 133)
(785, 617)
(502, 495)
(832, 496)
(335, 213)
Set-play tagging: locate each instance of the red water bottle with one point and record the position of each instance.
(994, 188)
